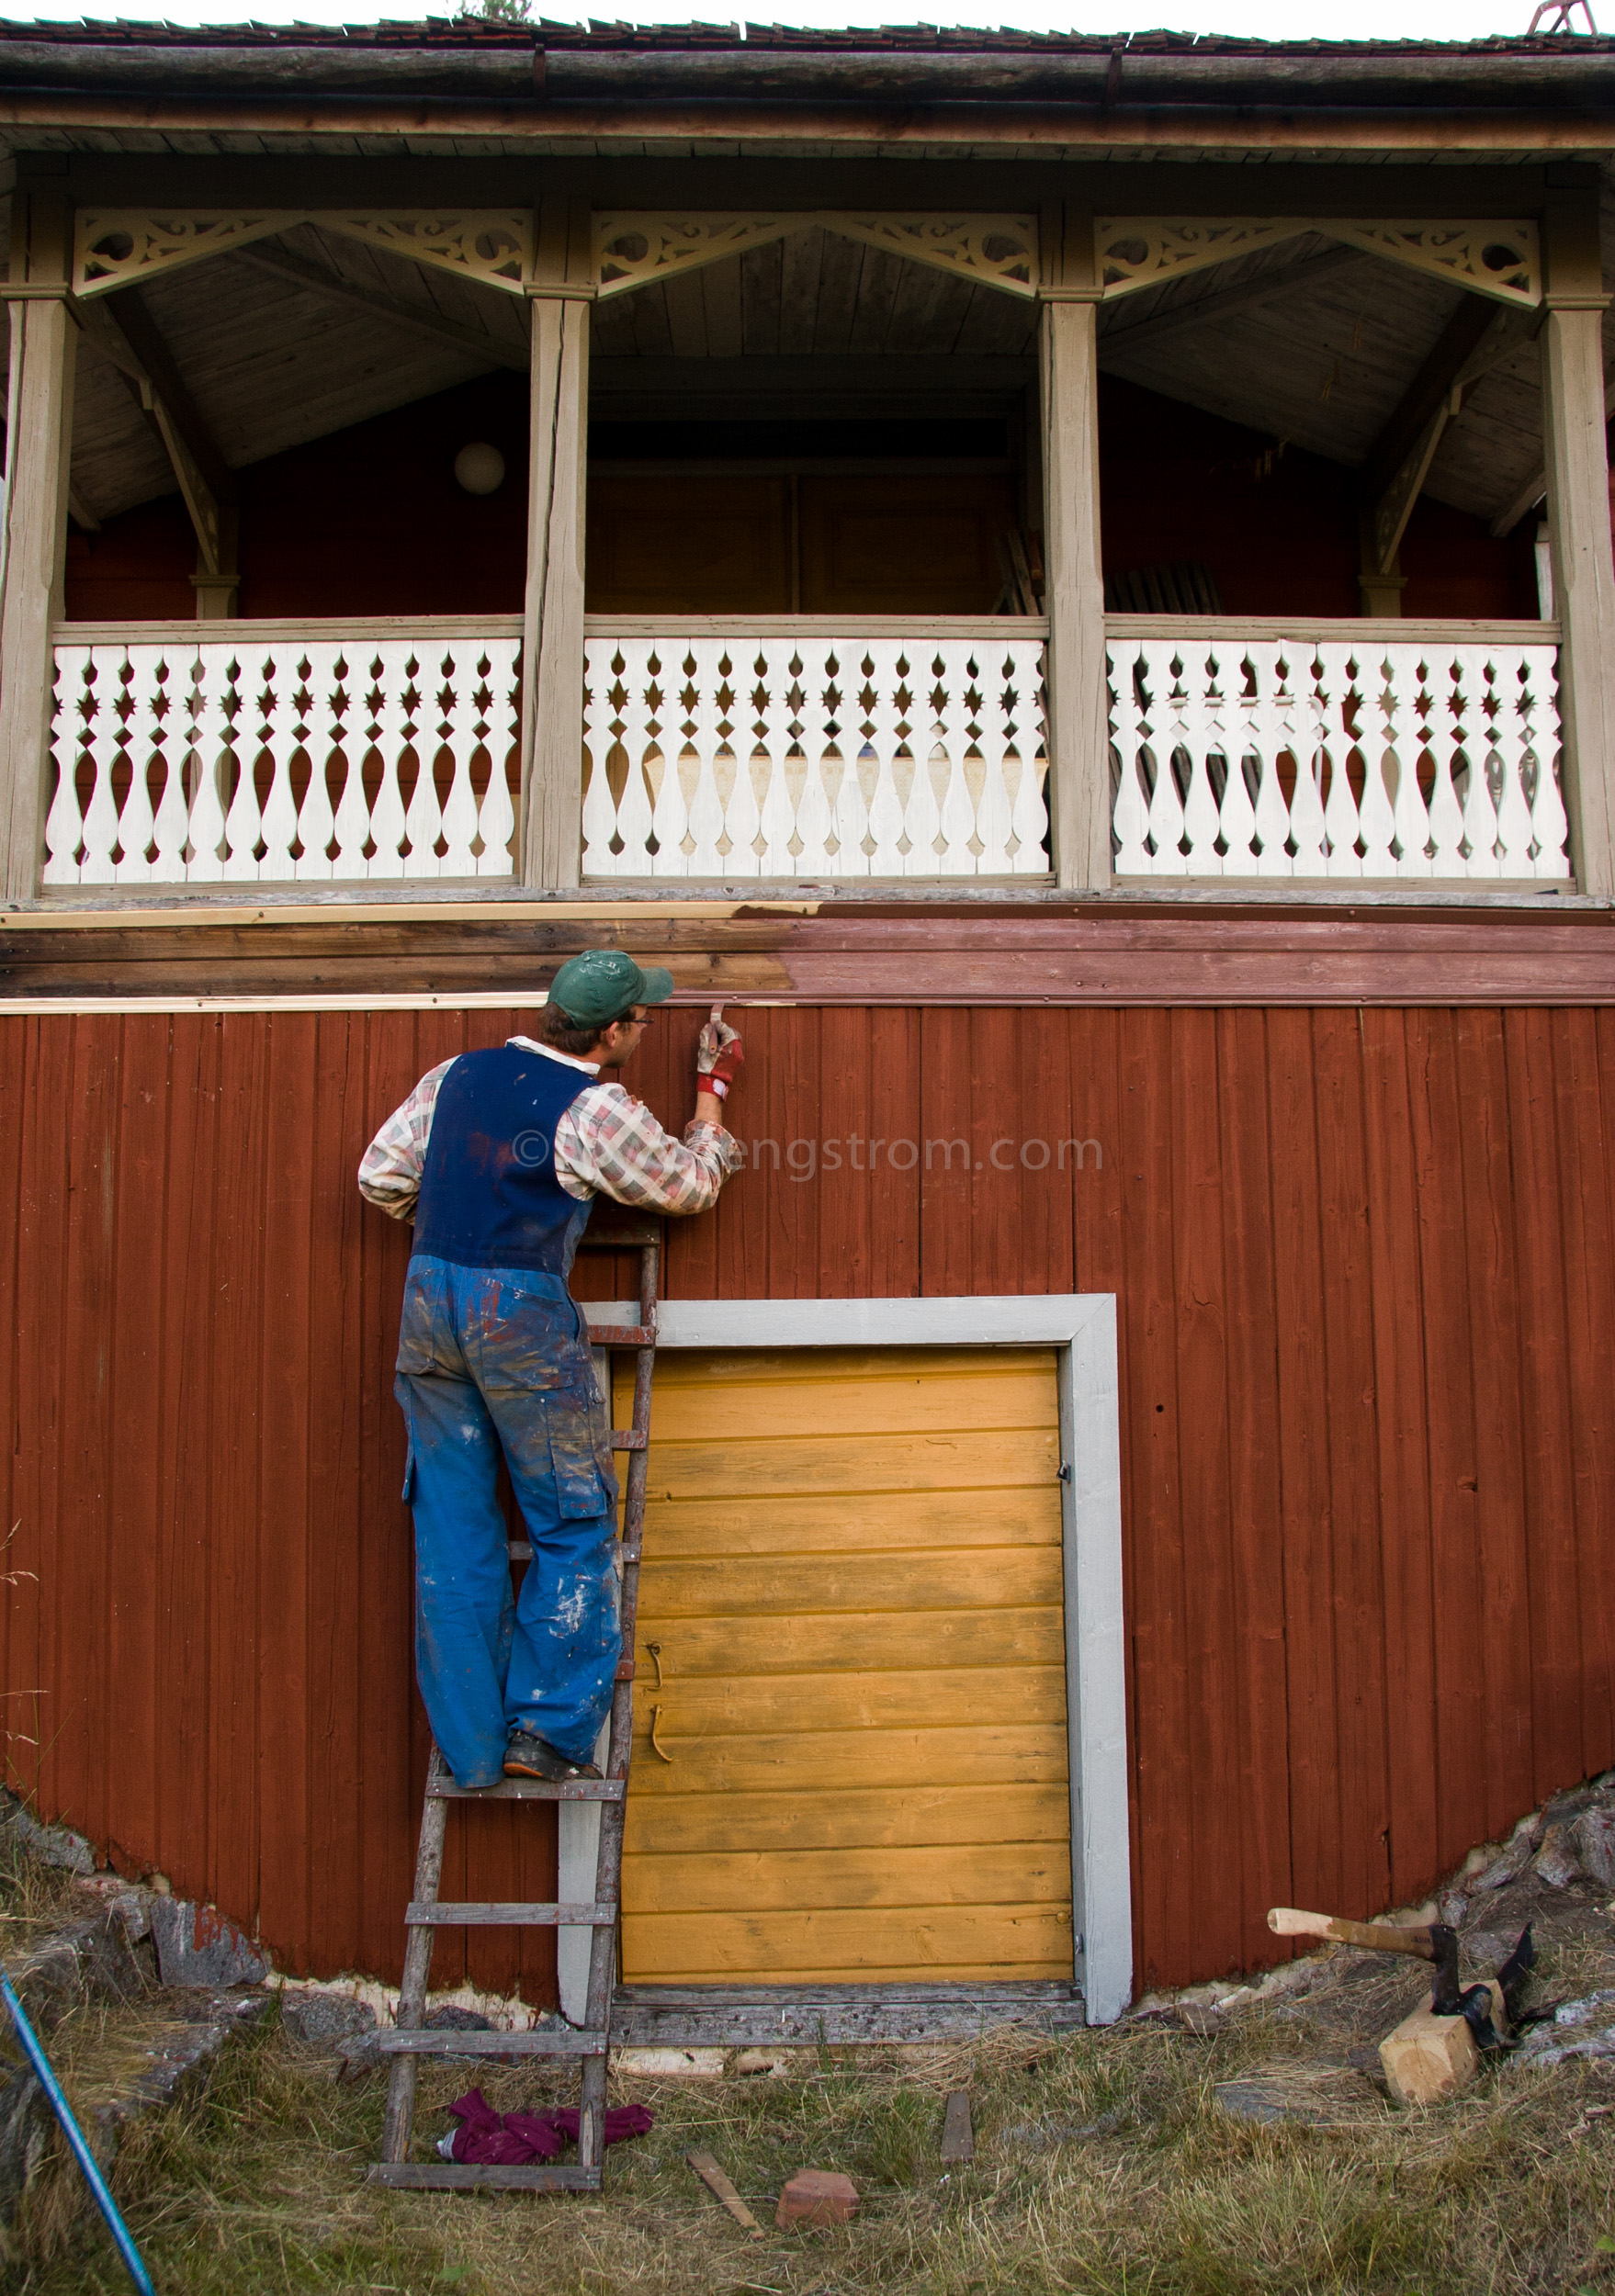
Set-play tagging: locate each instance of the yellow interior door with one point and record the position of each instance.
(852, 1596)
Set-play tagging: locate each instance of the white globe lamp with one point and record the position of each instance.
(480, 467)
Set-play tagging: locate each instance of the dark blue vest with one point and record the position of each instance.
(489, 1194)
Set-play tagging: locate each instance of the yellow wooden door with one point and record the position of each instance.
(852, 1591)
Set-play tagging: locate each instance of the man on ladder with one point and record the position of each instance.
(498, 1156)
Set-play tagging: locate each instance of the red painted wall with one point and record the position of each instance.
(367, 520)
(370, 521)
(1366, 1263)
(1278, 526)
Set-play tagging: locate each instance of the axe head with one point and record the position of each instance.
(1515, 1973)
(1444, 1999)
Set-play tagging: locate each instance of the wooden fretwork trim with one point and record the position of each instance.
(113, 246)
(1500, 257)
(637, 250)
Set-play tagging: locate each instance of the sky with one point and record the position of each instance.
(1264, 20)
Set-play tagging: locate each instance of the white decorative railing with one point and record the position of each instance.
(1359, 750)
(813, 749)
(248, 751)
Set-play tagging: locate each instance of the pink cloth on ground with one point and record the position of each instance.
(512, 2139)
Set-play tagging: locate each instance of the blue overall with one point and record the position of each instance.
(494, 1358)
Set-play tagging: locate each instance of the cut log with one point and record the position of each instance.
(1428, 2057)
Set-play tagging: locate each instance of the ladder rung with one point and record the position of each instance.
(452, 2175)
(626, 1439)
(507, 1914)
(521, 1550)
(443, 2042)
(529, 1790)
(622, 1335)
(620, 1239)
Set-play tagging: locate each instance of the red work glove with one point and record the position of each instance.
(719, 1055)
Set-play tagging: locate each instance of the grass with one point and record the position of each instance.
(35, 1898)
(1103, 2164)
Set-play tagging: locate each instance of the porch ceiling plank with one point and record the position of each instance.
(1475, 340)
(611, 324)
(686, 318)
(720, 295)
(123, 329)
(333, 407)
(801, 262)
(1273, 275)
(1324, 369)
(475, 343)
(761, 292)
(839, 273)
(273, 365)
(1498, 441)
(1535, 485)
(652, 328)
(1471, 322)
(132, 316)
(1482, 460)
(462, 301)
(927, 309)
(107, 341)
(995, 322)
(116, 456)
(877, 289)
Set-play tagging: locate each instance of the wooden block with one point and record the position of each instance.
(958, 2138)
(1428, 2057)
(817, 2196)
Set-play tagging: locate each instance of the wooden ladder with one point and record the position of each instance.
(412, 2040)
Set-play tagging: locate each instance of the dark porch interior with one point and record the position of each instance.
(810, 426)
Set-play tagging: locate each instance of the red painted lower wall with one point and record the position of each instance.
(1366, 1267)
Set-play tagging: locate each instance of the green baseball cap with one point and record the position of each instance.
(600, 985)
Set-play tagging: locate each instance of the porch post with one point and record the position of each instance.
(1578, 529)
(553, 622)
(39, 437)
(1078, 711)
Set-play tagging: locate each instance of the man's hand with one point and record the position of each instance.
(720, 1056)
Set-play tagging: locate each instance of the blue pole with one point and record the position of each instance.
(74, 2134)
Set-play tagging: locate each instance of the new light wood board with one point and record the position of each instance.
(853, 1575)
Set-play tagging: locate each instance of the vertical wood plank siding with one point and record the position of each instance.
(1366, 1271)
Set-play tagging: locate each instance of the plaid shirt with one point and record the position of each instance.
(608, 1143)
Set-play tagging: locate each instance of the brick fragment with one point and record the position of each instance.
(817, 2196)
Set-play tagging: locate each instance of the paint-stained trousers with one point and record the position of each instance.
(495, 1361)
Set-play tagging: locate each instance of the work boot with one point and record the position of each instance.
(527, 1756)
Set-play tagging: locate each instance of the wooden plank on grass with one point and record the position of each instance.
(713, 2178)
(958, 2138)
